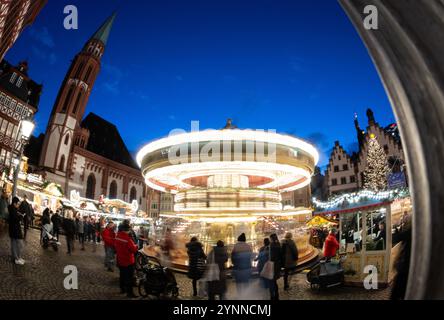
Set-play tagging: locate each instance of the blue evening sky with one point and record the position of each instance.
(295, 66)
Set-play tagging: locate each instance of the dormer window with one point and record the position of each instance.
(13, 77)
(19, 82)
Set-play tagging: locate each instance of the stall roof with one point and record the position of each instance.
(354, 208)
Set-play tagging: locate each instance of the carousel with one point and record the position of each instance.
(227, 182)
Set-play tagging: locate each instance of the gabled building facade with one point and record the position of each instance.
(341, 172)
(19, 100)
(345, 172)
(15, 15)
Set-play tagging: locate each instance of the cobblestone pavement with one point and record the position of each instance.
(42, 278)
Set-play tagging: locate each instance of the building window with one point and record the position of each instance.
(113, 190)
(334, 182)
(336, 169)
(68, 99)
(345, 167)
(133, 194)
(79, 70)
(88, 73)
(339, 158)
(19, 82)
(66, 139)
(352, 179)
(344, 180)
(62, 163)
(91, 186)
(154, 206)
(76, 106)
(13, 77)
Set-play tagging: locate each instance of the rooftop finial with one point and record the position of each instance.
(230, 125)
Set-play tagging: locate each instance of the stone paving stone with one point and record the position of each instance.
(42, 278)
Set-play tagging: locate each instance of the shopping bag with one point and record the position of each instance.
(268, 270)
(212, 272)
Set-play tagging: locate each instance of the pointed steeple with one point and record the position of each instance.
(103, 33)
(360, 132)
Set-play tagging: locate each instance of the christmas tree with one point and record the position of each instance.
(376, 171)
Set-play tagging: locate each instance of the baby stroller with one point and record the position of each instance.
(47, 239)
(156, 279)
(326, 274)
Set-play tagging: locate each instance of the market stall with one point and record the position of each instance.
(365, 233)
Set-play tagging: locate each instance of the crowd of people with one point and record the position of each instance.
(121, 243)
(283, 256)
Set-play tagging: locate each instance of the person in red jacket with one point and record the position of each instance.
(331, 245)
(125, 250)
(109, 236)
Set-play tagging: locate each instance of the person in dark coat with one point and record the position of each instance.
(196, 262)
(402, 263)
(219, 255)
(241, 257)
(275, 256)
(45, 217)
(56, 223)
(26, 209)
(262, 259)
(290, 257)
(70, 230)
(15, 231)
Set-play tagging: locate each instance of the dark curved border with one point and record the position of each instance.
(408, 52)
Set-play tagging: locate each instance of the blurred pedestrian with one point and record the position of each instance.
(219, 256)
(331, 245)
(81, 231)
(15, 231)
(196, 262)
(109, 236)
(402, 262)
(125, 250)
(93, 231)
(262, 258)
(26, 209)
(241, 257)
(290, 256)
(275, 257)
(4, 213)
(56, 220)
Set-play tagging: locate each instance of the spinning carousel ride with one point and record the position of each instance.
(229, 181)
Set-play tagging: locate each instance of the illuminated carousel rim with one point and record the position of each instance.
(285, 177)
(228, 135)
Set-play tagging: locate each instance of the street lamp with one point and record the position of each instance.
(26, 128)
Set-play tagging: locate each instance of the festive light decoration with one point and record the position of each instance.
(361, 196)
(377, 169)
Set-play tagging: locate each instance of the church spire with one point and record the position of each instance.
(360, 132)
(102, 34)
